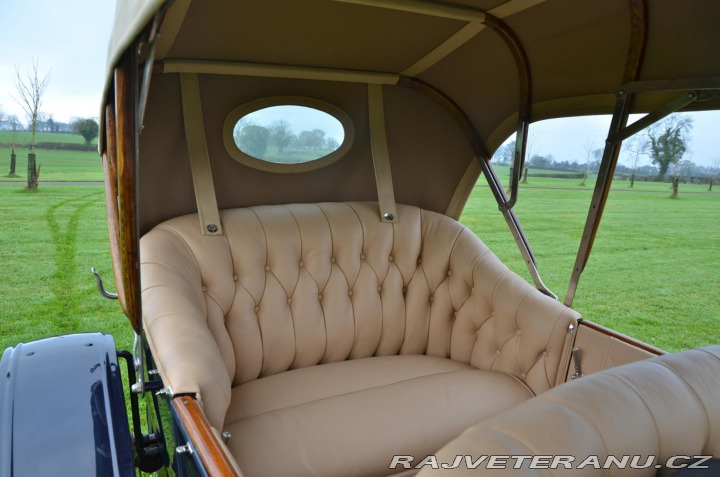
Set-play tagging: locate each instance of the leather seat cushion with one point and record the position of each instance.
(351, 417)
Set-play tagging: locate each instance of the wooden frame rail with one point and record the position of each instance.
(203, 439)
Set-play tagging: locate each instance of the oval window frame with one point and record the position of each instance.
(243, 110)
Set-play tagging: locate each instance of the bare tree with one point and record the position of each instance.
(30, 89)
(588, 149)
(715, 170)
(637, 147)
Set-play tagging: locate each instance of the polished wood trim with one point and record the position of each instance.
(111, 193)
(204, 440)
(622, 337)
(125, 113)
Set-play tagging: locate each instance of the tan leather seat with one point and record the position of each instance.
(664, 407)
(325, 340)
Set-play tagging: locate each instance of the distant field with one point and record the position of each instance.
(23, 137)
(654, 272)
(655, 267)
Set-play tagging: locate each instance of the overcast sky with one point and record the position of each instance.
(69, 40)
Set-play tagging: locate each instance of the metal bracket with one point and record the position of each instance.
(101, 288)
(186, 449)
(576, 359)
(139, 363)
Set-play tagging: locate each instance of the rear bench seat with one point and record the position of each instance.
(326, 341)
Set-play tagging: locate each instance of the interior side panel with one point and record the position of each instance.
(601, 348)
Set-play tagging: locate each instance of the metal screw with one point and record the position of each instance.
(212, 228)
(388, 216)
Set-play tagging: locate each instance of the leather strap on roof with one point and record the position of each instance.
(199, 157)
(380, 155)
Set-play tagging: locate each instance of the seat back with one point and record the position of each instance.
(290, 286)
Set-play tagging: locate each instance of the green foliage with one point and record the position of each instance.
(23, 138)
(87, 128)
(667, 141)
(253, 140)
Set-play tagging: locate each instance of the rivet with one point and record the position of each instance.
(332, 260)
(419, 261)
(362, 257)
(523, 375)
(301, 264)
(204, 289)
(267, 268)
(498, 352)
(390, 258)
(545, 353)
(257, 308)
(449, 273)
(389, 216)
(289, 301)
(350, 293)
(212, 228)
(235, 277)
(432, 298)
(379, 289)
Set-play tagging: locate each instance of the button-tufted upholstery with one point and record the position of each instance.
(663, 407)
(244, 320)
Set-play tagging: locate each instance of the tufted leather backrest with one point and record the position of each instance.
(290, 286)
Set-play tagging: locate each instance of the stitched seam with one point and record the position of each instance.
(349, 393)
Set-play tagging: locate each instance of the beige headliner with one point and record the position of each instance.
(577, 51)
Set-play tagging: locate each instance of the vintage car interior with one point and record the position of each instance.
(321, 316)
(318, 314)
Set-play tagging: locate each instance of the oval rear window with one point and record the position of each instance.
(287, 134)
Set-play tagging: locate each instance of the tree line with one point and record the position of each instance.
(254, 139)
(665, 143)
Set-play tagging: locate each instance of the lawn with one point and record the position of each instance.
(49, 240)
(55, 165)
(653, 273)
(655, 267)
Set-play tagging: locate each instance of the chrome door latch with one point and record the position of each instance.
(576, 360)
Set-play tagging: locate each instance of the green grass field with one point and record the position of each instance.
(49, 240)
(653, 273)
(23, 138)
(55, 165)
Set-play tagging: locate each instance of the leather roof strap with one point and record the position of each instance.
(380, 155)
(198, 154)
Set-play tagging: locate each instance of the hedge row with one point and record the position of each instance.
(58, 146)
